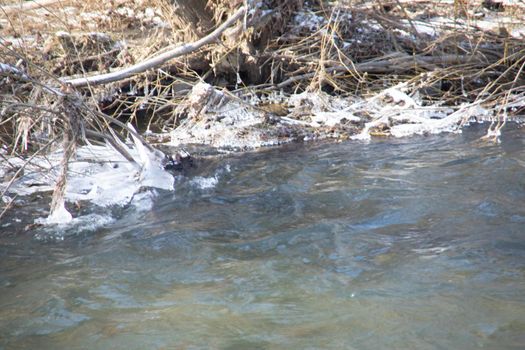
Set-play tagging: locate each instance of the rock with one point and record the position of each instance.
(178, 162)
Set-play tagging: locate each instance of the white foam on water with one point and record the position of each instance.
(205, 182)
(143, 201)
(84, 223)
(209, 182)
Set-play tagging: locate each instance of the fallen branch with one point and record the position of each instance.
(157, 60)
(6, 69)
(391, 65)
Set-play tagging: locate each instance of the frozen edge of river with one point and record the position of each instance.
(100, 175)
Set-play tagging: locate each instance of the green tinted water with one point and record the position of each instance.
(395, 244)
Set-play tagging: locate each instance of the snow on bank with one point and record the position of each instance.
(226, 122)
(402, 114)
(396, 111)
(99, 175)
(220, 120)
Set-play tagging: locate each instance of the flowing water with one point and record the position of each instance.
(395, 244)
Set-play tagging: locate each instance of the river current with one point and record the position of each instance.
(414, 243)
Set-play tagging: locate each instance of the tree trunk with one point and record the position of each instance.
(194, 17)
(238, 57)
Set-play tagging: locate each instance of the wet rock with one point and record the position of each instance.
(382, 129)
(179, 161)
(271, 119)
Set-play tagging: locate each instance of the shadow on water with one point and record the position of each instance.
(400, 244)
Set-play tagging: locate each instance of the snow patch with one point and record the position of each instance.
(219, 120)
(332, 118)
(308, 19)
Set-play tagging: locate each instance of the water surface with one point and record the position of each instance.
(395, 244)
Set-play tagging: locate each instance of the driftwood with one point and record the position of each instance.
(157, 60)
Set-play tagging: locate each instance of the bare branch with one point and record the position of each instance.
(157, 60)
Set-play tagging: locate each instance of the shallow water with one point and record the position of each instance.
(395, 244)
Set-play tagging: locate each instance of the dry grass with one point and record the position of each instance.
(347, 47)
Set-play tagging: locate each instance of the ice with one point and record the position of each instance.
(333, 118)
(214, 118)
(319, 102)
(99, 175)
(430, 29)
(152, 173)
(58, 216)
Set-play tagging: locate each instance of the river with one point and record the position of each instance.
(415, 243)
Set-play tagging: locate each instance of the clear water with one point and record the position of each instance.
(394, 244)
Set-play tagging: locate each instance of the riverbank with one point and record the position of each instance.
(281, 72)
